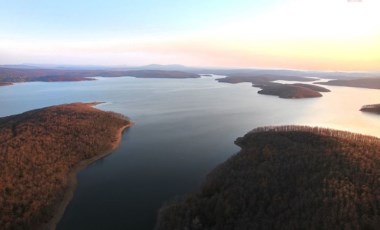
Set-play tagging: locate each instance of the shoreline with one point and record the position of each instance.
(60, 208)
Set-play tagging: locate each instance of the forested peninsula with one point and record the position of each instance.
(288, 177)
(270, 87)
(375, 108)
(41, 152)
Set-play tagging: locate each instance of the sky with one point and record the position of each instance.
(333, 35)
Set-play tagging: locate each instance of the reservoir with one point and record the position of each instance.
(182, 129)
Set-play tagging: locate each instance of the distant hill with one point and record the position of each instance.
(204, 70)
(21, 66)
(261, 78)
(40, 153)
(285, 72)
(14, 75)
(50, 73)
(288, 177)
(175, 67)
(97, 67)
(5, 83)
(369, 83)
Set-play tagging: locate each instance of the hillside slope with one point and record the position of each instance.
(38, 150)
(287, 177)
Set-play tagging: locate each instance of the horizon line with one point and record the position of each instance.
(53, 65)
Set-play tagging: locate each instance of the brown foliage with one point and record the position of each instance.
(288, 91)
(288, 177)
(313, 87)
(37, 151)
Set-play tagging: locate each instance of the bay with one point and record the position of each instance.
(183, 129)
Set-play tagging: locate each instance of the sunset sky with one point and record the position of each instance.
(293, 34)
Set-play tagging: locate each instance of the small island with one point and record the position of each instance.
(375, 108)
(288, 91)
(287, 177)
(41, 152)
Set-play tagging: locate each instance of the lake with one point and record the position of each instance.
(183, 129)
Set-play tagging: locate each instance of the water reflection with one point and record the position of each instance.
(183, 129)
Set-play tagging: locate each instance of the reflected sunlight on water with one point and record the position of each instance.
(182, 130)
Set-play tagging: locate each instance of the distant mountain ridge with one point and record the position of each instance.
(16, 75)
(204, 70)
(10, 74)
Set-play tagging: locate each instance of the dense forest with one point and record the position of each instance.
(288, 91)
(39, 148)
(313, 87)
(288, 177)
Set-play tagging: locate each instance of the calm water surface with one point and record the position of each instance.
(183, 128)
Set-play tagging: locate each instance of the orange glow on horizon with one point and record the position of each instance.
(307, 34)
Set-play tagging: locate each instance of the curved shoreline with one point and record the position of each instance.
(59, 211)
(270, 187)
